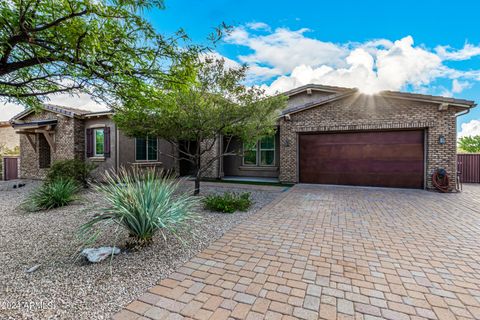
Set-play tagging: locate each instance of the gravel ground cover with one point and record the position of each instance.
(65, 288)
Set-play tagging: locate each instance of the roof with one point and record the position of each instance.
(319, 101)
(340, 92)
(317, 87)
(66, 111)
(35, 124)
(5, 124)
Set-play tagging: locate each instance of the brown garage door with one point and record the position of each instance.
(381, 158)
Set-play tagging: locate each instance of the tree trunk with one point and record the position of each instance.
(196, 191)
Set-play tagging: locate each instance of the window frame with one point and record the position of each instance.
(260, 153)
(258, 149)
(94, 133)
(255, 148)
(146, 150)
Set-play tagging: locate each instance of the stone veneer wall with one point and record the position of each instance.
(68, 140)
(362, 112)
(213, 171)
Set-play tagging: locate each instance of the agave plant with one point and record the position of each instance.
(143, 203)
(53, 194)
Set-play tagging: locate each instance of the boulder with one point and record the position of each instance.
(99, 254)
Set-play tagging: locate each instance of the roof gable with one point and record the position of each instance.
(340, 93)
(65, 111)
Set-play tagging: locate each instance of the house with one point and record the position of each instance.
(328, 135)
(333, 135)
(60, 133)
(8, 139)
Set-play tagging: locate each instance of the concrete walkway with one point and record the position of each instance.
(321, 252)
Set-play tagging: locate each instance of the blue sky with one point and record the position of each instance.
(425, 46)
(347, 25)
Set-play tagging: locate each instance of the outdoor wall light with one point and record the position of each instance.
(442, 139)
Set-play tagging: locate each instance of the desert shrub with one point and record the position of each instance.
(143, 203)
(54, 194)
(229, 202)
(73, 169)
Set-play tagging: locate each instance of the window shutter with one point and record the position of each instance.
(106, 146)
(89, 143)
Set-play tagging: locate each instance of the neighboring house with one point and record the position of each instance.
(60, 133)
(9, 140)
(328, 135)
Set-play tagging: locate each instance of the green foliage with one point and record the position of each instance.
(96, 46)
(228, 202)
(210, 100)
(143, 204)
(470, 144)
(50, 195)
(73, 169)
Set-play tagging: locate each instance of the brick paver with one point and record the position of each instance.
(320, 252)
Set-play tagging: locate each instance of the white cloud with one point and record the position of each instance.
(284, 49)
(448, 53)
(459, 86)
(258, 26)
(289, 58)
(77, 101)
(471, 128)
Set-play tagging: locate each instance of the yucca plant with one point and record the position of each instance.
(53, 194)
(143, 203)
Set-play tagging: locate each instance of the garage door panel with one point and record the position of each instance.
(360, 166)
(391, 159)
(362, 151)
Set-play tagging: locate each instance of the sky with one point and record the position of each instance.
(422, 46)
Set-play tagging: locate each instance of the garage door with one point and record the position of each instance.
(381, 158)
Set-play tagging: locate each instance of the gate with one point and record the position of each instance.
(10, 168)
(469, 167)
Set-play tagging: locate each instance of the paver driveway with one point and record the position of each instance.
(334, 252)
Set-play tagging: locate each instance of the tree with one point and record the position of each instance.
(470, 144)
(210, 102)
(95, 46)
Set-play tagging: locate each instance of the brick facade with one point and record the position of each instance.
(68, 141)
(361, 112)
(213, 171)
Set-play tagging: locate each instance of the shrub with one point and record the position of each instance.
(228, 202)
(54, 194)
(143, 203)
(74, 169)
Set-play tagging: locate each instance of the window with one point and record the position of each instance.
(146, 149)
(250, 154)
(99, 139)
(261, 153)
(267, 151)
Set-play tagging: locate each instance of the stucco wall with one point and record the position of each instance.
(233, 166)
(126, 155)
(102, 163)
(363, 112)
(8, 138)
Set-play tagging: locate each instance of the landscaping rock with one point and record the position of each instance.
(95, 255)
(33, 269)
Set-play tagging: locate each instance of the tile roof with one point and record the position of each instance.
(340, 92)
(66, 111)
